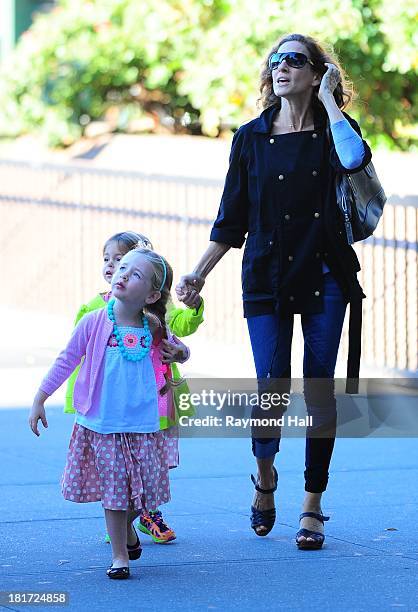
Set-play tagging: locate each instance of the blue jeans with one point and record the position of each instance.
(271, 341)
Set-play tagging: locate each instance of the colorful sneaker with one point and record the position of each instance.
(153, 524)
(107, 538)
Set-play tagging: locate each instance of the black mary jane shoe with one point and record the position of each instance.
(263, 518)
(135, 551)
(318, 538)
(118, 573)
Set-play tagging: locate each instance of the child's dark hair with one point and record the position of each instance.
(129, 240)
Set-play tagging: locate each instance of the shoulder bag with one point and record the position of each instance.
(360, 198)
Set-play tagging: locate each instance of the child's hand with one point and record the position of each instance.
(187, 284)
(38, 412)
(193, 299)
(172, 351)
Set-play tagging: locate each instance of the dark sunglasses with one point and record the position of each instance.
(292, 59)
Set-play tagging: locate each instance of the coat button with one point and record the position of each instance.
(290, 258)
(287, 217)
(281, 177)
(271, 141)
(271, 242)
(314, 135)
(291, 298)
(318, 255)
(317, 293)
(314, 173)
(316, 215)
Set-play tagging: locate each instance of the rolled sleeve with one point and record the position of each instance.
(231, 224)
(235, 238)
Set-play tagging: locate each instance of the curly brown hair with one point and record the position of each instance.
(343, 93)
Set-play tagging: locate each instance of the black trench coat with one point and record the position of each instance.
(279, 195)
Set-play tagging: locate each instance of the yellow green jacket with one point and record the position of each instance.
(181, 321)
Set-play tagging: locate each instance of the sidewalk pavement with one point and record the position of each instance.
(369, 561)
(217, 562)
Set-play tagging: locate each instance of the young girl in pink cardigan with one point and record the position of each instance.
(181, 322)
(117, 454)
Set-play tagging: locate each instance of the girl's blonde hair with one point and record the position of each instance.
(161, 281)
(343, 93)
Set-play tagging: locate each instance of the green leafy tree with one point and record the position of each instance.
(194, 64)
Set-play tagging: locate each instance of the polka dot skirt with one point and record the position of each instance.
(123, 471)
(171, 441)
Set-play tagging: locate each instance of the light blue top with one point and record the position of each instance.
(128, 400)
(348, 144)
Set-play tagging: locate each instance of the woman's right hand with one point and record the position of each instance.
(37, 413)
(329, 81)
(189, 283)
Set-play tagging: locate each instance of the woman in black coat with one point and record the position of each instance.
(279, 198)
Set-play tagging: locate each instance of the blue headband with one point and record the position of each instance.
(165, 272)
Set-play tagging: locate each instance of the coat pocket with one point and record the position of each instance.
(260, 265)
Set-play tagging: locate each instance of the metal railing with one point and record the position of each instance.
(55, 219)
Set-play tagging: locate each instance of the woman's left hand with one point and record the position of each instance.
(172, 351)
(329, 81)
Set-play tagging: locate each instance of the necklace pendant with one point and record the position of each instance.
(122, 348)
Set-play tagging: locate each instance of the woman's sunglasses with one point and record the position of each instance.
(292, 59)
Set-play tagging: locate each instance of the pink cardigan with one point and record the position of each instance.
(89, 340)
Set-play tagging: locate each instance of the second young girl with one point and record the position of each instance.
(116, 454)
(181, 322)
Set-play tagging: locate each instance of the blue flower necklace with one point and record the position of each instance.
(143, 351)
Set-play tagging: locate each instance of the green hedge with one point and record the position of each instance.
(194, 64)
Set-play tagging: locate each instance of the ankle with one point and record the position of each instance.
(266, 478)
(120, 561)
(312, 502)
(311, 507)
(132, 536)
